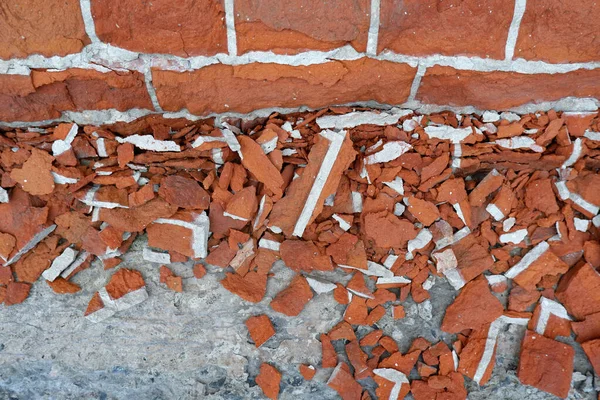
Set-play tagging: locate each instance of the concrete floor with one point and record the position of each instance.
(195, 344)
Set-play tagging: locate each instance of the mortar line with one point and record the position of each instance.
(513, 31)
(230, 24)
(373, 37)
(151, 90)
(88, 20)
(414, 88)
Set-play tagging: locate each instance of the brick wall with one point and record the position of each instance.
(117, 60)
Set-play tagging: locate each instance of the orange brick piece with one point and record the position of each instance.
(49, 28)
(425, 27)
(193, 28)
(288, 27)
(260, 328)
(502, 90)
(244, 88)
(172, 281)
(269, 379)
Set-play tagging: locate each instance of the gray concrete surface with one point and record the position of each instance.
(195, 344)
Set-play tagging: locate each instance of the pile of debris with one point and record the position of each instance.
(497, 204)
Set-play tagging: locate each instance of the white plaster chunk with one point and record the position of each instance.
(101, 147)
(156, 256)
(269, 146)
(490, 116)
(520, 142)
(447, 264)
(446, 132)
(596, 221)
(61, 146)
(320, 286)
(232, 142)
(200, 140)
(59, 264)
(429, 283)
(200, 228)
(547, 308)
(515, 237)
(3, 195)
(508, 224)
(527, 260)
(269, 244)
(329, 201)
(459, 212)
(399, 209)
(80, 259)
(396, 280)
(147, 142)
(495, 279)
(489, 128)
(217, 156)
(575, 154)
(353, 119)
(592, 135)
(288, 152)
(343, 224)
(111, 307)
(261, 210)
(420, 241)
(582, 225)
(397, 184)
(495, 212)
(336, 140)
(357, 202)
(411, 124)
(510, 116)
(390, 151)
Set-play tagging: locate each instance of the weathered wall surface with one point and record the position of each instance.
(101, 60)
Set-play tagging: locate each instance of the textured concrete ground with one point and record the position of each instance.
(195, 344)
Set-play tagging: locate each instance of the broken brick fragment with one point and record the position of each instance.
(578, 291)
(260, 328)
(291, 300)
(269, 379)
(301, 255)
(63, 286)
(16, 293)
(307, 371)
(592, 351)
(183, 192)
(172, 281)
(35, 176)
(546, 364)
(342, 382)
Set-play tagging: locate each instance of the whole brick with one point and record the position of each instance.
(424, 27)
(244, 88)
(559, 32)
(49, 28)
(288, 27)
(45, 95)
(183, 28)
(503, 90)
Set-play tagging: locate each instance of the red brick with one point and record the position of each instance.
(183, 28)
(49, 27)
(559, 31)
(44, 95)
(220, 88)
(503, 90)
(423, 27)
(289, 27)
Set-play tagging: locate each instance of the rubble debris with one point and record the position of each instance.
(389, 202)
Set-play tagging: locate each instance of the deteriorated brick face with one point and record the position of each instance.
(49, 27)
(424, 27)
(221, 88)
(44, 94)
(185, 28)
(560, 31)
(288, 27)
(503, 90)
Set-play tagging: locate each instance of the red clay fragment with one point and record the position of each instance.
(487, 186)
(7, 244)
(387, 230)
(592, 350)
(546, 364)
(258, 164)
(291, 300)
(260, 329)
(328, 354)
(183, 192)
(587, 329)
(124, 281)
(172, 281)
(269, 379)
(474, 307)
(250, 287)
(579, 291)
(63, 286)
(199, 271)
(35, 176)
(16, 293)
(304, 255)
(425, 211)
(142, 196)
(307, 371)
(342, 382)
